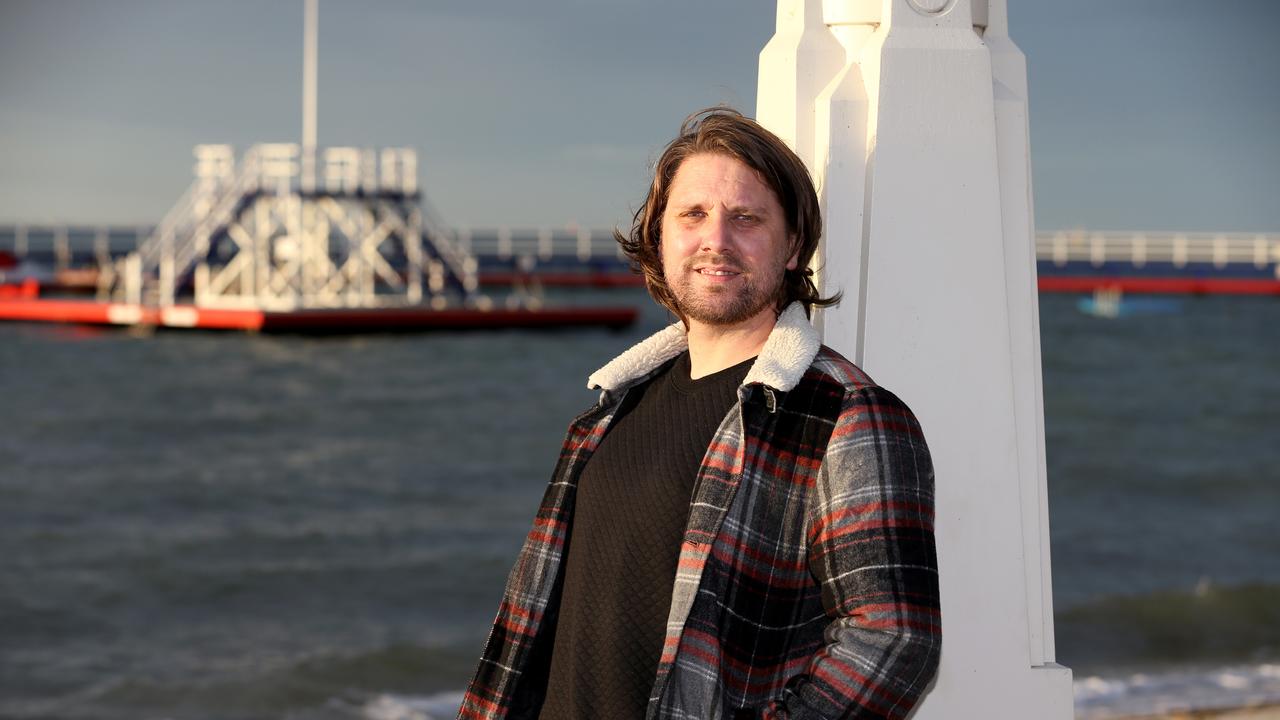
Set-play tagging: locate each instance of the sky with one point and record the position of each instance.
(1145, 114)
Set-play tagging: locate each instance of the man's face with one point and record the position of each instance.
(725, 244)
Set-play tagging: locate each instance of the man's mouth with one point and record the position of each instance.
(716, 272)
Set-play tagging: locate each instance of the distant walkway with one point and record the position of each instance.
(1067, 260)
(78, 244)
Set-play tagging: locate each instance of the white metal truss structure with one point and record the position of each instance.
(249, 235)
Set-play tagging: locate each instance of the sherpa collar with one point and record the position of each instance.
(792, 345)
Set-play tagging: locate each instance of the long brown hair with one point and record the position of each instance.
(725, 131)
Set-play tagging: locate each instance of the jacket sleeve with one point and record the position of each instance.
(871, 549)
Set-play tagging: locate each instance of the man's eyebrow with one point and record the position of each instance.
(699, 204)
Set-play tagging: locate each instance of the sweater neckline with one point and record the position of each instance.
(731, 376)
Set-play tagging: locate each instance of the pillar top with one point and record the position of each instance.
(799, 14)
(873, 12)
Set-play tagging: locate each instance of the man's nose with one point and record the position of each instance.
(717, 234)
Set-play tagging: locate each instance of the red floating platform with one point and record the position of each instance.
(1161, 285)
(308, 321)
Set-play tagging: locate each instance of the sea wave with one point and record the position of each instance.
(1098, 697)
(1207, 625)
(403, 707)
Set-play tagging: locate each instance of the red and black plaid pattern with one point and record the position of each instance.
(807, 584)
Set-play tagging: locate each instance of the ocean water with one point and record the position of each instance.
(207, 526)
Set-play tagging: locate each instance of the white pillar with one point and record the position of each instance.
(920, 150)
(797, 63)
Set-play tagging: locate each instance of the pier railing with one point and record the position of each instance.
(543, 244)
(1057, 246)
(69, 245)
(1176, 248)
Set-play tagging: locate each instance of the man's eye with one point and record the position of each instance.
(745, 218)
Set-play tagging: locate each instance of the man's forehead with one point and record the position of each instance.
(704, 174)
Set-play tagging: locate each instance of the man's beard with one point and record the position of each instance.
(712, 305)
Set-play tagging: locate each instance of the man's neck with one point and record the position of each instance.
(713, 348)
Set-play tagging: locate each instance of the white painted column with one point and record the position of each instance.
(920, 150)
(798, 62)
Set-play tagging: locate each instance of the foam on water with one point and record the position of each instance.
(402, 707)
(1096, 697)
(1178, 690)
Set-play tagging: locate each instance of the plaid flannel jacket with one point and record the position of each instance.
(807, 584)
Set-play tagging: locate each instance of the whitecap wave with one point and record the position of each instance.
(440, 706)
(1097, 698)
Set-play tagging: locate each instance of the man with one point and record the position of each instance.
(742, 527)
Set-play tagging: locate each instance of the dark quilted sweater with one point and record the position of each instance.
(631, 510)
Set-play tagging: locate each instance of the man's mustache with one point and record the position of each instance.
(720, 260)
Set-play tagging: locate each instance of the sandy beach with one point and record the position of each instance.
(1260, 712)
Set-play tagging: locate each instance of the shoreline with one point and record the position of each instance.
(1264, 711)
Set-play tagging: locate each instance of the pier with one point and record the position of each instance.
(1159, 262)
(68, 257)
(290, 237)
(256, 245)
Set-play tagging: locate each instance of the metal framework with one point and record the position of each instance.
(249, 235)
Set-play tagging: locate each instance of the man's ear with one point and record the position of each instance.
(794, 261)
